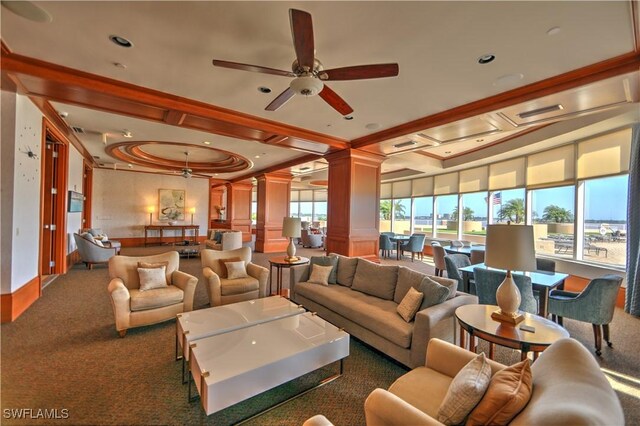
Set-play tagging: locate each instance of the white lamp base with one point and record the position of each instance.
(508, 297)
(291, 252)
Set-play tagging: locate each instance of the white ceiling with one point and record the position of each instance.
(436, 45)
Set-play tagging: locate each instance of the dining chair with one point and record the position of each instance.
(456, 243)
(547, 265)
(476, 256)
(386, 245)
(453, 264)
(415, 245)
(438, 258)
(488, 281)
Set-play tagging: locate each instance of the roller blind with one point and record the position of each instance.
(254, 195)
(320, 195)
(401, 189)
(385, 191)
(474, 180)
(553, 166)
(306, 195)
(604, 155)
(295, 195)
(506, 174)
(446, 184)
(422, 187)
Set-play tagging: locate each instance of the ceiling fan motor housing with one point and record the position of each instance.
(307, 85)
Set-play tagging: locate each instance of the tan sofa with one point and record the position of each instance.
(135, 308)
(374, 319)
(231, 240)
(568, 389)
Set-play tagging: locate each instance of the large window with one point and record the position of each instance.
(293, 209)
(385, 215)
(552, 213)
(508, 206)
(320, 212)
(474, 216)
(254, 212)
(423, 215)
(402, 216)
(446, 223)
(306, 211)
(605, 220)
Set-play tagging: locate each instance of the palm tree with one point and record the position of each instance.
(553, 213)
(467, 214)
(399, 209)
(385, 209)
(512, 210)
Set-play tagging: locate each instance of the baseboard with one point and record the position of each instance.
(73, 258)
(14, 304)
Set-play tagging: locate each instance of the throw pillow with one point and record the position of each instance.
(327, 261)
(434, 293)
(98, 243)
(452, 285)
(508, 393)
(151, 278)
(218, 237)
(223, 266)
(465, 391)
(236, 270)
(151, 265)
(410, 304)
(320, 274)
(407, 278)
(346, 269)
(87, 236)
(375, 280)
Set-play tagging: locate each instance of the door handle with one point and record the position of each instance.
(46, 227)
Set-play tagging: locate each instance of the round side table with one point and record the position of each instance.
(280, 263)
(477, 322)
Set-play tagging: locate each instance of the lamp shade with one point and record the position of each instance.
(291, 227)
(510, 247)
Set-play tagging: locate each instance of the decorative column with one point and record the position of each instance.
(353, 214)
(238, 211)
(216, 199)
(274, 194)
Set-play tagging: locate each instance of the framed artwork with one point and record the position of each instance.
(76, 200)
(171, 204)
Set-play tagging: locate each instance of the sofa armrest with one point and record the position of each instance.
(436, 321)
(187, 283)
(120, 303)
(298, 273)
(261, 274)
(382, 408)
(212, 286)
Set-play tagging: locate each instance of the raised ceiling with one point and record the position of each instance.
(436, 45)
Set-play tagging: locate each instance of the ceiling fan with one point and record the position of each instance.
(308, 71)
(186, 172)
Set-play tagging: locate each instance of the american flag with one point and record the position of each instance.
(496, 198)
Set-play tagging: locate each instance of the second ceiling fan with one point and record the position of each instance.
(308, 71)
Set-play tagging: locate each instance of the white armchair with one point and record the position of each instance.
(230, 240)
(135, 308)
(222, 290)
(91, 252)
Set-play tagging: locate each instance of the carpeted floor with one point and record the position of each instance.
(64, 353)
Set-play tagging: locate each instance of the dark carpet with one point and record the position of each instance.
(64, 353)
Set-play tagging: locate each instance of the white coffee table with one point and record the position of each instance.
(232, 367)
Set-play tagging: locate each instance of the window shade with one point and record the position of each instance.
(254, 195)
(295, 195)
(320, 195)
(306, 195)
(553, 166)
(474, 180)
(422, 187)
(385, 191)
(506, 174)
(604, 155)
(446, 184)
(401, 189)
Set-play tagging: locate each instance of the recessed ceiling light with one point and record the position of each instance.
(206, 142)
(485, 59)
(348, 117)
(28, 10)
(256, 156)
(216, 174)
(372, 126)
(119, 65)
(63, 114)
(120, 41)
(479, 140)
(263, 89)
(553, 31)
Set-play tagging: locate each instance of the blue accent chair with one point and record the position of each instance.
(386, 245)
(454, 262)
(488, 281)
(415, 245)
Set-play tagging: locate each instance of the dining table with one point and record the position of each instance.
(466, 250)
(542, 281)
(399, 239)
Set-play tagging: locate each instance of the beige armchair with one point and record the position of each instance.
(135, 308)
(223, 291)
(230, 240)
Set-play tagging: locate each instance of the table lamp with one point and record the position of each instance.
(151, 209)
(291, 228)
(509, 247)
(192, 210)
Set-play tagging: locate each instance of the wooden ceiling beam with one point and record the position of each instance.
(278, 167)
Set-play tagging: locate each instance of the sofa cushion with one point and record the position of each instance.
(451, 284)
(320, 274)
(411, 388)
(373, 313)
(407, 278)
(410, 304)
(434, 293)
(346, 269)
(375, 280)
(508, 393)
(238, 286)
(156, 298)
(326, 261)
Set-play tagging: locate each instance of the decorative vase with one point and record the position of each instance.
(172, 222)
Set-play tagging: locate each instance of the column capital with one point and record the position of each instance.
(281, 176)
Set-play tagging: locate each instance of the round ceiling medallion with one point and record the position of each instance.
(172, 156)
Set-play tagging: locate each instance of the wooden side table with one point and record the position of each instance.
(280, 263)
(477, 322)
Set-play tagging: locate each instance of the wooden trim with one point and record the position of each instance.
(73, 258)
(278, 167)
(87, 192)
(599, 71)
(12, 305)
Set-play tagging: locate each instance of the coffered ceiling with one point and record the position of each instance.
(165, 89)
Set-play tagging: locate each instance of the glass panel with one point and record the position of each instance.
(402, 216)
(423, 215)
(306, 211)
(385, 215)
(446, 223)
(320, 213)
(293, 209)
(254, 212)
(553, 220)
(474, 217)
(605, 220)
(508, 205)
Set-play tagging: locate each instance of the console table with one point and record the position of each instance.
(176, 238)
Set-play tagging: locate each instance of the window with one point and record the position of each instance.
(402, 216)
(423, 215)
(474, 217)
(605, 220)
(385, 215)
(553, 219)
(293, 209)
(508, 206)
(306, 211)
(320, 212)
(446, 223)
(254, 212)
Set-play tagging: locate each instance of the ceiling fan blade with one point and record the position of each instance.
(360, 72)
(335, 101)
(252, 68)
(281, 99)
(302, 33)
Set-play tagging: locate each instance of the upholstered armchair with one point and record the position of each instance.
(595, 304)
(488, 281)
(229, 240)
(454, 262)
(438, 258)
(221, 289)
(385, 245)
(309, 239)
(133, 307)
(91, 252)
(415, 245)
